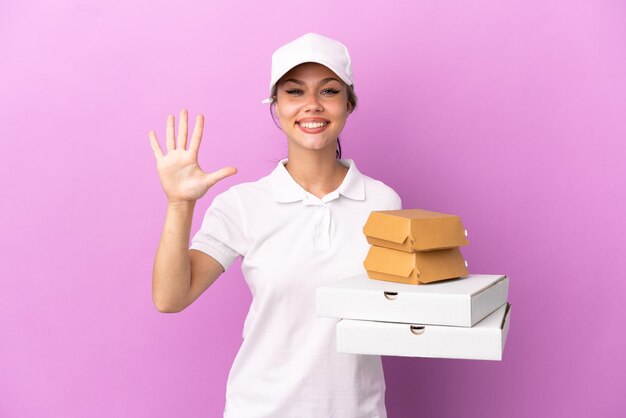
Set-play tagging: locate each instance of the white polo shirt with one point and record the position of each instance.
(291, 242)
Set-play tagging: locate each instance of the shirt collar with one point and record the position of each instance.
(286, 189)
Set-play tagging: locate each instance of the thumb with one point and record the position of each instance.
(220, 174)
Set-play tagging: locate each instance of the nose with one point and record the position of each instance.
(313, 103)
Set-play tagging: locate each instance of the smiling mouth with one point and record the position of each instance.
(312, 125)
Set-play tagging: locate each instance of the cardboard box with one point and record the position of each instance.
(459, 302)
(483, 341)
(414, 230)
(414, 268)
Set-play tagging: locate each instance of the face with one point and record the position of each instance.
(312, 106)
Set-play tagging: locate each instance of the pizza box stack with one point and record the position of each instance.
(416, 297)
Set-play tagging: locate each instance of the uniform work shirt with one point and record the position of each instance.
(291, 242)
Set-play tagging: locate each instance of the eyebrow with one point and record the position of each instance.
(324, 81)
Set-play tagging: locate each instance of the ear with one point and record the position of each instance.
(349, 107)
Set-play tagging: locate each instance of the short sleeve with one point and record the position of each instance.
(222, 234)
(396, 201)
(393, 201)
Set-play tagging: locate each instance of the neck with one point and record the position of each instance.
(318, 172)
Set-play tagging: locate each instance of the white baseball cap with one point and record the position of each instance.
(311, 47)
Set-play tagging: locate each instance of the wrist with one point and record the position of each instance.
(181, 205)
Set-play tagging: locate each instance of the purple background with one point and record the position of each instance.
(511, 114)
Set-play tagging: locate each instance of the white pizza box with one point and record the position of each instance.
(460, 302)
(483, 341)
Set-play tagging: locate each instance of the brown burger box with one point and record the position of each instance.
(414, 230)
(414, 246)
(414, 268)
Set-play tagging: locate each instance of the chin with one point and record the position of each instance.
(314, 144)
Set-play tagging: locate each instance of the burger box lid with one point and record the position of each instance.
(414, 268)
(460, 302)
(483, 341)
(414, 230)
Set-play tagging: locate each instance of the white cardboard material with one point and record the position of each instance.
(459, 302)
(483, 341)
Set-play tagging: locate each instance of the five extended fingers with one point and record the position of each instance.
(194, 145)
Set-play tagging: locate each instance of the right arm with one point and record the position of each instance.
(181, 275)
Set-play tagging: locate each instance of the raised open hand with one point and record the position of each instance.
(181, 177)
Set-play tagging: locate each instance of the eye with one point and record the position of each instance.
(328, 92)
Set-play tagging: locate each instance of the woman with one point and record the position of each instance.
(296, 228)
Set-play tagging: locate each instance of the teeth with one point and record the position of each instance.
(313, 125)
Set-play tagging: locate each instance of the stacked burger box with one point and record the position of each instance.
(414, 246)
(416, 297)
